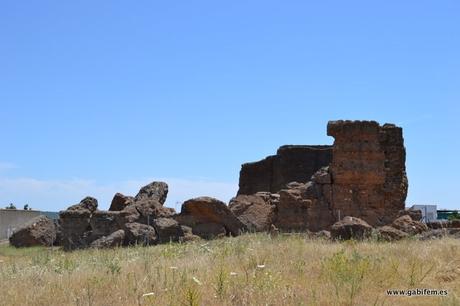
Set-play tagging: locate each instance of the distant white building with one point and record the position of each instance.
(429, 212)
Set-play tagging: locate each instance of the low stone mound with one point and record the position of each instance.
(438, 224)
(389, 233)
(209, 217)
(440, 233)
(409, 226)
(351, 228)
(168, 230)
(113, 240)
(415, 214)
(40, 231)
(140, 234)
(256, 211)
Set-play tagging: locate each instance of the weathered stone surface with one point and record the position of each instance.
(407, 225)
(292, 210)
(368, 170)
(120, 202)
(415, 214)
(167, 230)
(198, 213)
(322, 235)
(439, 233)
(351, 228)
(40, 231)
(209, 230)
(103, 223)
(157, 191)
(75, 224)
(144, 211)
(322, 176)
(438, 224)
(304, 207)
(129, 214)
(115, 239)
(291, 163)
(150, 209)
(88, 203)
(57, 227)
(188, 234)
(139, 234)
(390, 233)
(256, 212)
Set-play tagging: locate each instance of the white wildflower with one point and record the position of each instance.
(196, 280)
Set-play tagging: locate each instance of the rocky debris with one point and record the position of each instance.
(365, 177)
(188, 234)
(390, 233)
(103, 223)
(351, 228)
(129, 214)
(302, 188)
(57, 227)
(440, 233)
(139, 234)
(157, 191)
(209, 217)
(409, 226)
(209, 230)
(322, 176)
(305, 206)
(113, 240)
(439, 224)
(168, 230)
(40, 231)
(454, 223)
(256, 211)
(322, 235)
(415, 214)
(150, 209)
(88, 203)
(120, 202)
(291, 163)
(75, 224)
(83, 225)
(293, 209)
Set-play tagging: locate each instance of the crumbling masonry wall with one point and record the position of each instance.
(368, 170)
(362, 175)
(292, 163)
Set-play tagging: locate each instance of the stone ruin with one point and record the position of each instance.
(343, 191)
(290, 164)
(362, 175)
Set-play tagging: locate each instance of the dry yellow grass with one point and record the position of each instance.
(248, 270)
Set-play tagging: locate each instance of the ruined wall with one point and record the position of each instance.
(291, 163)
(368, 170)
(362, 175)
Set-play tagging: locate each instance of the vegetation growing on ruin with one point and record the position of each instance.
(254, 269)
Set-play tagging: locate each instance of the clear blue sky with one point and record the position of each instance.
(103, 96)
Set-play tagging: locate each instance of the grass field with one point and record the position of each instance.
(252, 269)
